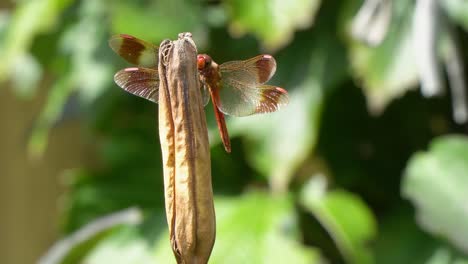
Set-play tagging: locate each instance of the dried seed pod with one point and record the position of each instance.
(186, 154)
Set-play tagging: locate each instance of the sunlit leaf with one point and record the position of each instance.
(73, 247)
(457, 10)
(445, 255)
(258, 228)
(85, 74)
(436, 182)
(5, 20)
(255, 228)
(84, 41)
(26, 75)
(170, 17)
(346, 218)
(389, 70)
(29, 19)
(273, 22)
(131, 244)
(56, 100)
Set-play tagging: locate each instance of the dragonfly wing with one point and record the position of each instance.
(256, 70)
(205, 94)
(142, 82)
(135, 50)
(242, 92)
(239, 100)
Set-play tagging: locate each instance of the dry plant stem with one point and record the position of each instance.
(425, 33)
(372, 21)
(456, 77)
(185, 151)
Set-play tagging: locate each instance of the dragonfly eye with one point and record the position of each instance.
(203, 61)
(200, 62)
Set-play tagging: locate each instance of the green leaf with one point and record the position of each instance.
(85, 41)
(26, 75)
(96, 194)
(272, 146)
(133, 244)
(389, 70)
(445, 255)
(56, 100)
(279, 143)
(457, 10)
(258, 228)
(83, 73)
(346, 218)
(436, 182)
(400, 240)
(29, 19)
(254, 228)
(273, 22)
(73, 247)
(5, 21)
(169, 17)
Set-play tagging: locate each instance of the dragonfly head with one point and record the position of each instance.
(203, 62)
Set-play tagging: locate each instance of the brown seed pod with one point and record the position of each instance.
(186, 154)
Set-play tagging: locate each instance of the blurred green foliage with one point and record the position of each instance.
(319, 180)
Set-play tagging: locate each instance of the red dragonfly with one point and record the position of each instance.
(237, 87)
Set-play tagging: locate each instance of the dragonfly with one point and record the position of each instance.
(236, 88)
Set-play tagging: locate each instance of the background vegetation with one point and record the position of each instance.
(359, 168)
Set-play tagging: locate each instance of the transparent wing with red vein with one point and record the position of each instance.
(205, 94)
(237, 100)
(135, 50)
(242, 92)
(256, 70)
(142, 82)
